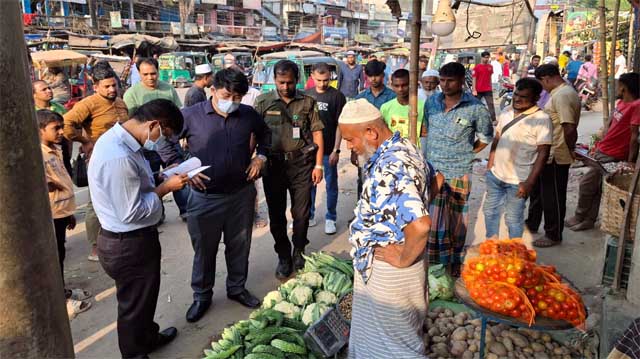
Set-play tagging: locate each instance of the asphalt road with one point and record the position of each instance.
(94, 332)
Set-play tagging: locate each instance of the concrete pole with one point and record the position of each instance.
(612, 80)
(416, 26)
(34, 319)
(131, 14)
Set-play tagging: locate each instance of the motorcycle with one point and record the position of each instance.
(505, 94)
(588, 92)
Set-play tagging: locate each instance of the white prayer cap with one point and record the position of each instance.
(203, 69)
(351, 53)
(431, 73)
(359, 111)
(550, 60)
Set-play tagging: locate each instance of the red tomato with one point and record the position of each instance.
(572, 314)
(551, 312)
(516, 313)
(509, 304)
(556, 306)
(531, 292)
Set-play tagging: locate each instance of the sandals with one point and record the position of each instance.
(260, 222)
(79, 294)
(75, 307)
(545, 242)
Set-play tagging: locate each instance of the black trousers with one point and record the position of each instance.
(549, 197)
(488, 96)
(209, 217)
(295, 177)
(133, 261)
(60, 227)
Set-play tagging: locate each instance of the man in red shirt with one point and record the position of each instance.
(482, 83)
(620, 143)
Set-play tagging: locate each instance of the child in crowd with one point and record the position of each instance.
(61, 198)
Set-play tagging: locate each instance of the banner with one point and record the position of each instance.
(334, 35)
(116, 20)
(337, 3)
(579, 28)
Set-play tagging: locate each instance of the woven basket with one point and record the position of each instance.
(614, 196)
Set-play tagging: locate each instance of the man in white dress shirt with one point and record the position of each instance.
(129, 207)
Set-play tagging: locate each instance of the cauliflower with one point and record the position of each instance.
(312, 279)
(301, 295)
(289, 310)
(326, 297)
(313, 312)
(286, 288)
(272, 298)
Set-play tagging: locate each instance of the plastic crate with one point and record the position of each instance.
(610, 262)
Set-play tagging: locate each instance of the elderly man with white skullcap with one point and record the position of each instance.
(388, 236)
(429, 82)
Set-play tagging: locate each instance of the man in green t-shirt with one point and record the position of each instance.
(396, 112)
(149, 88)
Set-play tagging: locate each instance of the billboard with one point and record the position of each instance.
(497, 26)
(336, 3)
(579, 27)
(334, 35)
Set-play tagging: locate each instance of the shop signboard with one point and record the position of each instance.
(216, 2)
(334, 35)
(336, 3)
(116, 20)
(252, 4)
(579, 27)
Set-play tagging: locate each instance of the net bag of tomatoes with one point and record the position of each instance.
(502, 298)
(505, 266)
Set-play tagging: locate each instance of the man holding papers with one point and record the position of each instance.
(129, 206)
(222, 197)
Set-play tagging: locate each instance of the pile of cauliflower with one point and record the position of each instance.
(301, 298)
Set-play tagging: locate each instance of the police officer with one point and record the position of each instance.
(295, 162)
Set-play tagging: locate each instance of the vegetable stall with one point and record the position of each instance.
(499, 315)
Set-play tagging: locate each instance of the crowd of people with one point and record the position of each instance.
(413, 200)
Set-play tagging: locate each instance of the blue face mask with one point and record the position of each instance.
(153, 145)
(227, 106)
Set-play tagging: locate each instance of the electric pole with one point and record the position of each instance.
(34, 318)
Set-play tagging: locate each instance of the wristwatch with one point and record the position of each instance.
(337, 151)
(262, 158)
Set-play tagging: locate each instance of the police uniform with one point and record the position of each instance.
(291, 163)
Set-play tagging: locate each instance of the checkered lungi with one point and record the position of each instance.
(449, 221)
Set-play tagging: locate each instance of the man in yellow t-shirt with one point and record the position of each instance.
(396, 112)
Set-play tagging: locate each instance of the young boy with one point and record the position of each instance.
(61, 197)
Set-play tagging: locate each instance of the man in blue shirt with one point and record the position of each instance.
(377, 94)
(219, 132)
(351, 78)
(573, 68)
(459, 126)
(129, 206)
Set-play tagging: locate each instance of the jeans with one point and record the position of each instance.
(502, 195)
(331, 180)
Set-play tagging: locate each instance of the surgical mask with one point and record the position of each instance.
(153, 145)
(227, 106)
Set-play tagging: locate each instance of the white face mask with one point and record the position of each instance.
(153, 145)
(227, 106)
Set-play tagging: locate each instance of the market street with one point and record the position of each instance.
(94, 335)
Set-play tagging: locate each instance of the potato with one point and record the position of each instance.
(469, 329)
(476, 322)
(498, 349)
(537, 347)
(448, 312)
(491, 356)
(440, 349)
(433, 331)
(566, 356)
(467, 355)
(473, 347)
(517, 339)
(546, 337)
(527, 350)
(432, 315)
(459, 334)
(549, 346)
(541, 355)
(429, 323)
(439, 339)
(511, 355)
(458, 347)
(508, 344)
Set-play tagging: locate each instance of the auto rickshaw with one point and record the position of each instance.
(244, 59)
(263, 75)
(68, 61)
(179, 68)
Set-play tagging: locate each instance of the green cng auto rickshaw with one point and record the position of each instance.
(178, 68)
(263, 76)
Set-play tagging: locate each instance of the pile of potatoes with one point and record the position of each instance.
(458, 336)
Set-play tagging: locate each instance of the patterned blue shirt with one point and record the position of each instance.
(383, 97)
(451, 135)
(394, 194)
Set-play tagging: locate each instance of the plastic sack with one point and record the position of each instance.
(440, 283)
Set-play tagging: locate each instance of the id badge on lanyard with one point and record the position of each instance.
(296, 127)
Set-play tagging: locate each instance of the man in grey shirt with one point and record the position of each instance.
(129, 206)
(351, 78)
(204, 78)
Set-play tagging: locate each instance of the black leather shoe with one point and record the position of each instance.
(298, 260)
(245, 298)
(197, 310)
(165, 337)
(284, 269)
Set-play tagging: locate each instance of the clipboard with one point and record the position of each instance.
(584, 156)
